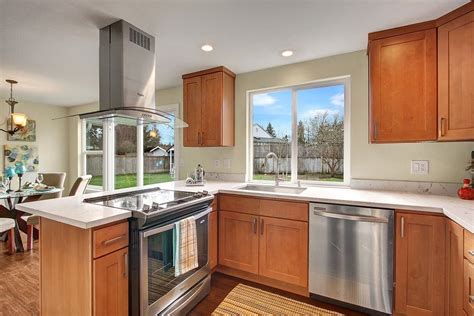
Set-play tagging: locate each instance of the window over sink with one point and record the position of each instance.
(300, 133)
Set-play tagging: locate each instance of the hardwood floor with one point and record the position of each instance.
(19, 287)
(222, 284)
(19, 281)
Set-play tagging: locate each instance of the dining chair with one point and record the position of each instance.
(80, 185)
(8, 224)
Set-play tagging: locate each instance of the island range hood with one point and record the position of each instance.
(127, 77)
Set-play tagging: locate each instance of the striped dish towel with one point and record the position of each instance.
(186, 254)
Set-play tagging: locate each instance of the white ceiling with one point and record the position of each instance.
(51, 46)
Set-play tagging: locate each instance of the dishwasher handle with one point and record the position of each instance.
(358, 218)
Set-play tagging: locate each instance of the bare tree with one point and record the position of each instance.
(326, 137)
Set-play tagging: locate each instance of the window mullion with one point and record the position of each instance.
(294, 136)
(140, 153)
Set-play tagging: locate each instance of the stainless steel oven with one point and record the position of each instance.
(161, 292)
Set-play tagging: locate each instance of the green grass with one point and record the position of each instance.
(130, 180)
(303, 177)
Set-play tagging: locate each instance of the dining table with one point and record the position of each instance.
(11, 199)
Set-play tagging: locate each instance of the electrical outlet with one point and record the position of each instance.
(217, 163)
(226, 162)
(420, 167)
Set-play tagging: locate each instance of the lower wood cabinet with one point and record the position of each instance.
(110, 274)
(454, 268)
(283, 251)
(419, 264)
(270, 247)
(468, 296)
(238, 241)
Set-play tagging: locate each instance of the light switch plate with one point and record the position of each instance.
(420, 167)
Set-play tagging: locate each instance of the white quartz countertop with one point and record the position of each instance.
(72, 211)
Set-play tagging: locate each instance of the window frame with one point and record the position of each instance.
(294, 89)
(108, 151)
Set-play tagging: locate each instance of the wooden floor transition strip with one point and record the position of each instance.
(246, 300)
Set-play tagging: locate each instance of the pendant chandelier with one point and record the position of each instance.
(17, 120)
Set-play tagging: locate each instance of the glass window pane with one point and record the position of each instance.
(320, 133)
(94, 135)
(159, 157)
(125, 156)
(94, 168)
(271, 130)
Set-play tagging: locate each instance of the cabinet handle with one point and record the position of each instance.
(261, 226)
(375, 131)
(442, 128)
(202, 138)
(402, 227)
(111, 241)
(471, 299)
(199, 138)
(254, 225)
(471, 252)
(125, 266)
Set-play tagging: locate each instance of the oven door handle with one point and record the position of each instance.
(161, 229)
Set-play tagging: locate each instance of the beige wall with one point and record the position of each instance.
(368, 161)
(51, 136)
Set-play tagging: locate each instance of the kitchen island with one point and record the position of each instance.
(88, 244)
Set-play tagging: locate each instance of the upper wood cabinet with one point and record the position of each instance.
(208, 104)
(419, 264)
(456, 78)
(421, 80)
(403, 87)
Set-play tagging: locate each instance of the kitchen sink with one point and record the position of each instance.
(273, 188)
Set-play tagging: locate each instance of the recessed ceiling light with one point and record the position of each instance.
(207, 48)
(287, 53)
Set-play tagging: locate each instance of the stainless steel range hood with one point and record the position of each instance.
(127, 76)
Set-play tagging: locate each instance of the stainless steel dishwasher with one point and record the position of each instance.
(351, 256)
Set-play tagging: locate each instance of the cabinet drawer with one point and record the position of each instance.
(110, 238)
(469, 246)
(283, 209)
(241, 204)
(468, 296)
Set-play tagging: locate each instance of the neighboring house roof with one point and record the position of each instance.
(164, 148)
(260, 132)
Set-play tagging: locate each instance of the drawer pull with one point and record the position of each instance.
(111, 241)
(125, 265)
(471, 252)
(254, 225)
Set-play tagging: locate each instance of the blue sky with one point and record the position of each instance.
(275, 107)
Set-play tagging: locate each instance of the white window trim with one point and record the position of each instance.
(108, 152)
(344, 80)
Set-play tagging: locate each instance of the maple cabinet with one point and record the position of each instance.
(208, 105)
(419, 264)
(403, 87)
(111, 284)
(267, 238)
(456, 78)
(213, 235)
(454, 268)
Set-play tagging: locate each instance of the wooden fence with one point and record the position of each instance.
(127, 164)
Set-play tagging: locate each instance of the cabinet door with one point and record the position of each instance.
(212, 109)
(419, 264)
(284, 250)
(468, 297)
(456, 78)
(192, 98)
(213, 240)
(111, 284)
(403, 88)
(454, 268)
(238, 241)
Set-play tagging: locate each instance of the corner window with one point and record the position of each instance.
(300, 133)
(119, 154)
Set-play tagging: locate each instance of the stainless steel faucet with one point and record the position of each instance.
(277, 174)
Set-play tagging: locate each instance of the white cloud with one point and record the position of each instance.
(312, 113)
(338, 99)
(263, 99)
